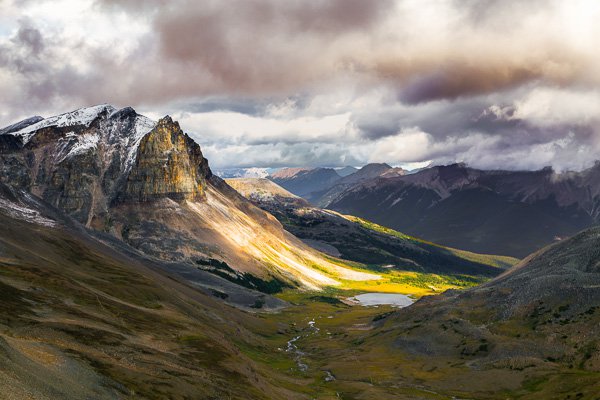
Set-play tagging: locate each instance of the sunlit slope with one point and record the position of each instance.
(226, 227)
(80, 319)
(269, 244)
(362, 241)
(406, 264)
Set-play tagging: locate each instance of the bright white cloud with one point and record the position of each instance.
(551, 106)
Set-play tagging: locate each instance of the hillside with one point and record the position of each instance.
(147, 184)
(80, 318)
(362, 241)
(500, 212)
(538, 322)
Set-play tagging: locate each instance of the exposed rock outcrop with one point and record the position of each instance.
(147, 183)
(168, 164)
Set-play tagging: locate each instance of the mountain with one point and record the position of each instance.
(147, 184)
(362, 241)
(345, 171)
(499, 212)
(531, 331)
(253, 172)
(304, 182)
(366, 173)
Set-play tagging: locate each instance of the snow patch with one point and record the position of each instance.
(84, 143)
(398, 200)
(143, 125)
(82, 116)
(24, 213)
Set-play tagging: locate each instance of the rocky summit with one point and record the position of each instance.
(148, 185)
(78, 161)
(85, 161)
(168, 164)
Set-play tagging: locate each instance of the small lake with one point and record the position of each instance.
(375, 299)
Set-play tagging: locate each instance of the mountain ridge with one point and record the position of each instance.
(149, 185)
(505, 212)
(362, 241)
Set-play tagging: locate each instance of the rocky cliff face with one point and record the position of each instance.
(168, 164)
(147, 183)
(85, 161)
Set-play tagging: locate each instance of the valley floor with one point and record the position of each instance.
(332, 350)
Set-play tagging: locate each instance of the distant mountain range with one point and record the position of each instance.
(253, 172)
(498, 212)
(319, 184)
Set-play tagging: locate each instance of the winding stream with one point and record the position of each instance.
(365, 299)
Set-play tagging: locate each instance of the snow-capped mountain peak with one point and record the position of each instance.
(254, 172)
(119, 130)
(82, 116)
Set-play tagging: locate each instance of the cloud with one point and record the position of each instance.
(551, 106)
(30, 38)
(510, 84)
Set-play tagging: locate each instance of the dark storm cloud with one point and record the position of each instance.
(260, 46)
(459, 80)
(440, 119)
(29, 37)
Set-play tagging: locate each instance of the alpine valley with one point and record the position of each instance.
(128, 270)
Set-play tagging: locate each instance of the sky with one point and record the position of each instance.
(503, 84)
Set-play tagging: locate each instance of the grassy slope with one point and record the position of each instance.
(486, 259)
(420, 267)
(80, 320)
